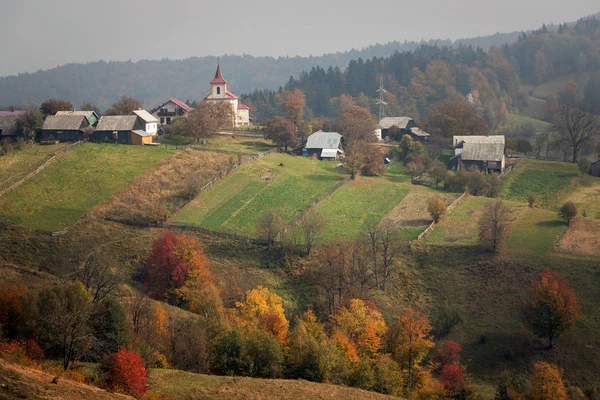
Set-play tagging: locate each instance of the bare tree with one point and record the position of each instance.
(270, 226)
(100, 275)
(385, 245)
(577, 128)
(494, 225)
(311, 224)
(204, 122)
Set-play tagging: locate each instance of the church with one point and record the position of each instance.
(219, 92)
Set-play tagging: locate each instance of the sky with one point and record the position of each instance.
(43, 34)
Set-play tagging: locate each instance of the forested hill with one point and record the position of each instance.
(414, 80)
(103, 82)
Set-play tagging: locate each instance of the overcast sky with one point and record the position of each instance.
(42, 34)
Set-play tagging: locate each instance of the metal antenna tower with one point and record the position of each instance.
(381, 101)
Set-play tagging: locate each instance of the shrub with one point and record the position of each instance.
(34, 351)
(568, 211)
(447, 354)
(452, 378)
(436, 208)
(126, 373)
(531, 200)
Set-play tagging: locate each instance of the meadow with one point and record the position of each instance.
(237, 203)
(237, 144)
(515, 120)
(81, 179)
(17, 164)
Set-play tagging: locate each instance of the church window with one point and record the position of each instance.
(218, 90)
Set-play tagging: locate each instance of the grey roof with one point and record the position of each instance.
(324, 140)
(85, 113)
(65, 122)
(117, 123)
(142, 133)
(329, 152)
(482, 151)
(145, 115)
(8, 124)
(418, 132)
(400, 122)
(478, 139)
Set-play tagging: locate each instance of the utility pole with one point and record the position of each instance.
(381, 101)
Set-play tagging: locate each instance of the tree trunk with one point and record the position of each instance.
(575, 151)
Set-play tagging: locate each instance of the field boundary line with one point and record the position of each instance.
(449, 209)
(39, 169)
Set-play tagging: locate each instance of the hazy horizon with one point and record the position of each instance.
(43, 35)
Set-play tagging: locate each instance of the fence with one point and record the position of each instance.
(40, 168)
(449, 209)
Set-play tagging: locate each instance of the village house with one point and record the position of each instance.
(396, 127)
(63, 128)
(167, 112)
(325, 145)
(484, 153)
(595, 167)
(123, 129)
(8, 123)
(149, 122)
(219, 92)
(91, 116)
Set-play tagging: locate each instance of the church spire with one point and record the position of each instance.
(218, 79)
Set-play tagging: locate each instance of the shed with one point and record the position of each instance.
(404, 125)
(140, 137)
(487, 156)
(64, 128)
(117, 129)
(419, 134)
(326, 145)
(8, 123)
(595, 167)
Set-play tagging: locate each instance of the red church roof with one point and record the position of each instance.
(218, 79)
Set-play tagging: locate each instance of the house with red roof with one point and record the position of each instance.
(219, 92)
(167, 112)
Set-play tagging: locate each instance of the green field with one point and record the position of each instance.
(535, 232)
(76, 182)
(237, 144)
(16, 165)
(587, 197)
(548, 180)
(515, 120)
(237, 203)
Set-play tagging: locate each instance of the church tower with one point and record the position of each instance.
(218, 86)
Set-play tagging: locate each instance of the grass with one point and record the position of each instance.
(586, 197)
(548, 180)
(81, 179)
(237, 203)
(535, 232)
(187, 385)
(237, 144)
(520, 120)
(16, 165)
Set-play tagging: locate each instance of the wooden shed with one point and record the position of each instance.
(118, 129)
(64, 128)
(140, 137)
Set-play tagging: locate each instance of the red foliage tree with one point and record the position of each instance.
(171, 259)
(453, 379)
(447, 354)
(34, 351)
(126, 373)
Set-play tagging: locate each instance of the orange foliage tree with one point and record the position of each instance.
(363, 324)
(172, 258)
(553, 307)
(546, 383)
(11, 309)
(264, 310)
(410, 341)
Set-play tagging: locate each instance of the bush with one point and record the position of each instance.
(126, 373)
(33, 351)
(436, 208)
(568, 211)
(531, 200)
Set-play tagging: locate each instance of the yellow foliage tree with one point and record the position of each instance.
(363, 324)
(264, 310)
(546, 383)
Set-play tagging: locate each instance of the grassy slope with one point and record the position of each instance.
(520, 120)
(549, 181)
(186, 385)
(586, 198)
(237, 203)
(19, 163)
(59, 195)
(237, 144)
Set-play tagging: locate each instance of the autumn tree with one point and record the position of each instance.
(576, 128)
(264, 310)
(190, 345)
(408, 148)
(546, 383)
(449, 118)
(453, 379)
(306, 354)
(436, 208)
(363, 323)
(437, 172)
(295, 102)
(271, 226)
(311, 224)
(385, 247)
(552, 308)
(494, 225)
(373, 160)
(126, 373)
(354, 159)
(200, 294)
(12, 319)
(356, 123)
(51, 107)
(409, 341)
(203, 122)
(124, 106)
(172, 258)
(281, 131)
(568, 211)
(100, 274)
(447, 354)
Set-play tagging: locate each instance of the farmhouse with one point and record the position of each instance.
(325, 145)
(64, 128)
(219, 92)
(169, 111)
(91, 116)
(149, 122)
(124, 129)
(595, 167)
(388, 127)
(8, 123)
(485, 153)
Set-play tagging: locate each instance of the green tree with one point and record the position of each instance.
(568, 211)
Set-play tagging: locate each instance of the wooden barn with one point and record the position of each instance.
(64, 128)
(117, 129)
(396, 127)
(8, 123)
(484, 153)
(91, 116)
(325, 145)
